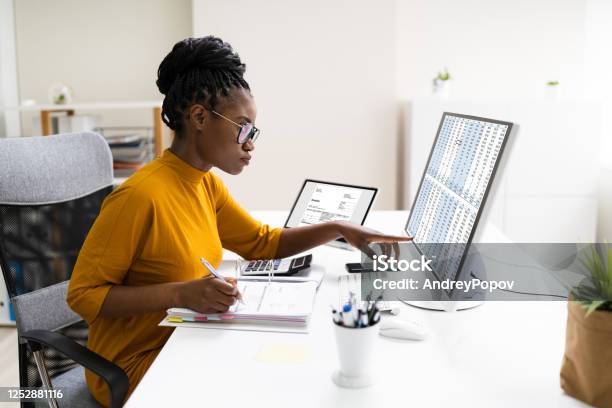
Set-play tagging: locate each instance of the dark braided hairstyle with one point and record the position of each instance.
(197, 70)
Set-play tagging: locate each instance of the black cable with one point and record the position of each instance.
(515, 265)
(525, 267)
(533, 294)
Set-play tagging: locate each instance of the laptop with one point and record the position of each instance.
(322, 201)
(317, 202)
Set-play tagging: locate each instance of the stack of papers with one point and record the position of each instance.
(264, 302)
(131, 148)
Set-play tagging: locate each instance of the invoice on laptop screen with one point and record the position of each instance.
(320, 201)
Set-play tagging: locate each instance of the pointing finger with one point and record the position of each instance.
(389, 238)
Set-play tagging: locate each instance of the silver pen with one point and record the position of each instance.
(214, 273)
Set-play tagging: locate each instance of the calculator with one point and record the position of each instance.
(285, 266)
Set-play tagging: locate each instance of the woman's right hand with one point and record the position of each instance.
(206, 295)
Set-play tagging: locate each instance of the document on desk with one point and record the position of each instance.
(273, 306)
(276, 299)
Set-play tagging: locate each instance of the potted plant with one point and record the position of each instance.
(586, 372)
(552, 89)
(60, 94)
(441, 83)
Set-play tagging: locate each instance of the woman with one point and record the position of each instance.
(142, 255)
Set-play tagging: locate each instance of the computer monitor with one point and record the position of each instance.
(453, 189)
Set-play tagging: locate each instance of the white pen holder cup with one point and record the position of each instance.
(356, 352)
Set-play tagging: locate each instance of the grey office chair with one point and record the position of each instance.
(51, 190)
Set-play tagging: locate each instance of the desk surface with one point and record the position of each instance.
(498, 354)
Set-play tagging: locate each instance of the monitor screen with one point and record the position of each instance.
(454, 186)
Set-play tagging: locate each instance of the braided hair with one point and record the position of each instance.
(197, 70)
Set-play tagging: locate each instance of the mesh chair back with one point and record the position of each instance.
(51, 191)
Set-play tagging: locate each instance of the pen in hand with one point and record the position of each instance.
(216, 275)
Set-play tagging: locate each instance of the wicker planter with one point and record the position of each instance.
(586, 373)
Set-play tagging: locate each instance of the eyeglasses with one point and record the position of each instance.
(247, 132)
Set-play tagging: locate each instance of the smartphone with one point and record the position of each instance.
(357, 268)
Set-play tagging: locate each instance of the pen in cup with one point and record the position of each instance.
(336, 316)
(214, 273)
(356, 314)
(347, 316)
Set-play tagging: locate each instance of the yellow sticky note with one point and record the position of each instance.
(283, 353)
(173, 319)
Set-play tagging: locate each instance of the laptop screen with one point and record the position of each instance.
(321, 201)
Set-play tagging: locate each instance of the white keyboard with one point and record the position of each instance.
(351, 283)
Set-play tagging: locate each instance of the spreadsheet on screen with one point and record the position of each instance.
(454, 185)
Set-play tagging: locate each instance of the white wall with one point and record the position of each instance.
(546, 187)
(598, 60)
(9, 121)
(323, 76)
(501, 54)
(328, 75)
(493, 48)
(104, 50)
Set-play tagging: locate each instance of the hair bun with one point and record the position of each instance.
(197, 69)
(207, 53)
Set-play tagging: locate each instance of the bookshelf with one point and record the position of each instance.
(48, 110)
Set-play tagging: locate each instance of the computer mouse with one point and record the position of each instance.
(402, 329)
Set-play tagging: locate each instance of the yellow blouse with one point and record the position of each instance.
(154, 228)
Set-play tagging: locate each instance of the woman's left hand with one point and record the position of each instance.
(361, 238)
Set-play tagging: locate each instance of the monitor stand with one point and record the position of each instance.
(446, 306)
(472, 267)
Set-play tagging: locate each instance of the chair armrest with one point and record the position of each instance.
(114, 376)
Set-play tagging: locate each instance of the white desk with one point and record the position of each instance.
(499, 354)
